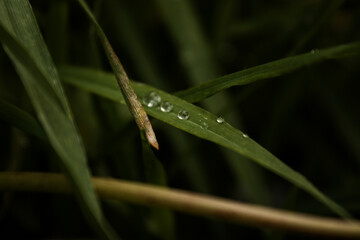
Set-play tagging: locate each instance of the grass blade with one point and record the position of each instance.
(57, 34)
(132, 101)
(161, 221)
(266, 71)
(194, 50)
(200, 123)
(153, 169)
(188, 202)
(23, 43)
(128, 33)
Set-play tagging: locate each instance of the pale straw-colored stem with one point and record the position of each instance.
(188, 202)
(130, 97)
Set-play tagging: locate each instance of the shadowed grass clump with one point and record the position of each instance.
(248, 94)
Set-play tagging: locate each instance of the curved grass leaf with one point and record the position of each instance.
(194, 51)
(200, 123)
(267, 70)
(23, 42)
(134, 42)
(161, 221)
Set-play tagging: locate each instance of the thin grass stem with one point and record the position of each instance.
(184, 201)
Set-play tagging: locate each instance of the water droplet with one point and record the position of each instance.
(220, 119)
(166, 107)
(151, 99)
(203, 125)
(245, 135)
(183, 115)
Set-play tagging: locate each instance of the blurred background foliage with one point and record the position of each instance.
(309, 119)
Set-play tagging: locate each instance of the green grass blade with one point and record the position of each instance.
(194, 50)
(153, 169)
(200, 123)
(161, 221)
(265, 71)
(135, 43)
(27, 32)
(20, 119)
(22, 40)
(57, 34)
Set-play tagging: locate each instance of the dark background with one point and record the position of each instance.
(309, 119)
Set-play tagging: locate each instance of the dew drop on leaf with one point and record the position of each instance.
(220, 119)
(203, 125)
(183, 115)
(151, 99)
(166, 106)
